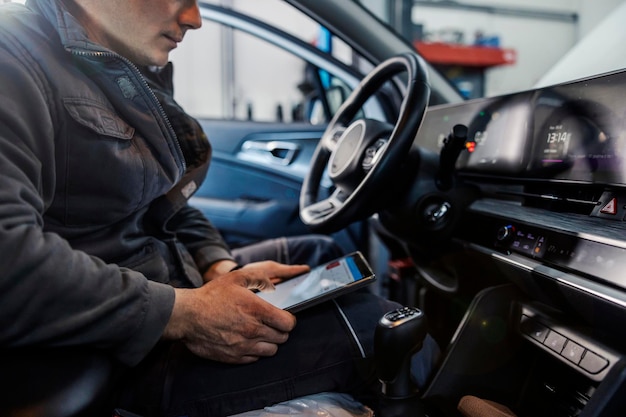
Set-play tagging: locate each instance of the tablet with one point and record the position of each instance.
(321, 283)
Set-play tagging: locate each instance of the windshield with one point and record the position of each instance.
(493, 47)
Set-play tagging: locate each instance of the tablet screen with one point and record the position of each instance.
(321, 283)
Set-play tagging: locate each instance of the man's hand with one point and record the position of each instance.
(225, 321)
(218, 269)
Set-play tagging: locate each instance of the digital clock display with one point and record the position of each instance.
(561, 134)
(558, 137)
(557, 144)
(570, 144)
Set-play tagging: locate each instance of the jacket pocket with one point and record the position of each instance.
(98, 118)
(105, 172)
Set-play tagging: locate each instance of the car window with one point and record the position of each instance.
(233, 78)
(285, 17)
(222, 72)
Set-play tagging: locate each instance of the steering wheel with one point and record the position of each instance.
(361, 156)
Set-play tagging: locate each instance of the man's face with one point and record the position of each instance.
(144, 31)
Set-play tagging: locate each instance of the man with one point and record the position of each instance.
(101, 251)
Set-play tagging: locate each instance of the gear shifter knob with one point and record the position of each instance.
(399, 334)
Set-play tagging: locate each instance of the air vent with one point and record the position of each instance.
(562, 198)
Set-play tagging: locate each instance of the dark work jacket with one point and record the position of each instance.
(86, 154)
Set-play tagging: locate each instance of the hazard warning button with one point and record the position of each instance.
(610, 207)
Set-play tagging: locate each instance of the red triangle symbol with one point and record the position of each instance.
(610, 208)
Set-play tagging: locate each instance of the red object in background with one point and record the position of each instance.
(440, 53)
(399, 268)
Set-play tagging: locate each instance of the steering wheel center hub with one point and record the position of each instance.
(346, 154)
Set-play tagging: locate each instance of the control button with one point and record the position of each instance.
(401, 313)
(555, 341)
(539, 246)
(437, 213)
(593, 363)
(573, 352)
(505, 233)
(534, 329)
(400, 316)
(610, 207)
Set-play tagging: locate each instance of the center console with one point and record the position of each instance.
(549, 170)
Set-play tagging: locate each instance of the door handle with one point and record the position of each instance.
(275, 152)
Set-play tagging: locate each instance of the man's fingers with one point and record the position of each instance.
(270, 270)
(266, 349)
(260, 284)
(289, 271)
(260, 349)
(271, 335)
(261, 274)
(279, 320)
(270, 316)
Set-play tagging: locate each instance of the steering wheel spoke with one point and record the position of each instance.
(317, 211)
(331, 137)
(327, 206)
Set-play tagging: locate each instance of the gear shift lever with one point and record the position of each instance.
(399, 334)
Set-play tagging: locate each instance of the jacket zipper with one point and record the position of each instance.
(138, 75)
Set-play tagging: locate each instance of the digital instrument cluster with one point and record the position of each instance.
(569, 132)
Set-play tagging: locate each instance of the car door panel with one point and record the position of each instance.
(252, 188)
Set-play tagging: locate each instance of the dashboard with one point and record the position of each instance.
(540, 192)
(568, 132)
(551, 167)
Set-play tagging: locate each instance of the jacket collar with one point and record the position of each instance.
(72, 34)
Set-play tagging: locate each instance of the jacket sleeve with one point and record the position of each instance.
(50, 294)
(199, 235)
(192, 228)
